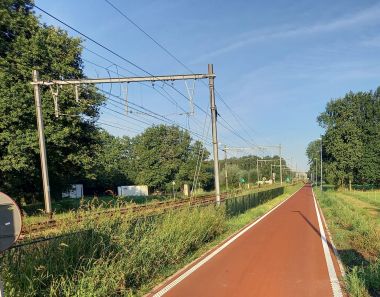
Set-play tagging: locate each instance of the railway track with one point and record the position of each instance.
(34, 233)
(32, 230)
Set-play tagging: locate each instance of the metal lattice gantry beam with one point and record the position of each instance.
(37, 83)
(259, 147)
(123, 79)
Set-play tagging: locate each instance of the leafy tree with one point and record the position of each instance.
(163, 154)
(351, 145)
(25, 44)
(313, 153)
(246, 167)
(196, 159)
(234, 174)
(113, 164)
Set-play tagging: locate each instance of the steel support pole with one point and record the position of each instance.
(214, 132)
(280, 165)
(41, 138)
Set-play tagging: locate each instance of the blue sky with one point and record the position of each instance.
(277, 62)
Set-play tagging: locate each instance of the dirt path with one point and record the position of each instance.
(283, 254)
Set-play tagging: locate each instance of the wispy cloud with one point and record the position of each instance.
(366, 16)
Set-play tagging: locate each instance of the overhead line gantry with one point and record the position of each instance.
(37, 83)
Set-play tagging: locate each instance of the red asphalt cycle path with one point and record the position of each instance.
(282, 255)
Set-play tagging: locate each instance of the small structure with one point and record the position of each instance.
(141, 190)
(75, 191)
(186, 190)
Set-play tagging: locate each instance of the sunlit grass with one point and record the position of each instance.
(121, 255)
(357, 236)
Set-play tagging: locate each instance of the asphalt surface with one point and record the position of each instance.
(281, 255)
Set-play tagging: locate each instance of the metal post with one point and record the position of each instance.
(214, 132)
(271, 172)
(41, 138)
(225, 166)
(1, 289)
(173, 183)
(321, 163)
(257, 168)
(316, 171)
(280, 166)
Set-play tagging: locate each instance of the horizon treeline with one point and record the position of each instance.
(351, 142)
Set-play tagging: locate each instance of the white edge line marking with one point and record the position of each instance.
(337, 256)
(337, 292)
(218, 250)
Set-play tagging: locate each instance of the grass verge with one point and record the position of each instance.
(357, 238)
(120, 255)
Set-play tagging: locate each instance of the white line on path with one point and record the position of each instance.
(217, 251)
(337, 292)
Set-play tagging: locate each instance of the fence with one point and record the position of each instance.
(366, 187)
(238, 205)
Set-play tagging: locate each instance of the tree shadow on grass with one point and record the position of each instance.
(349, 257)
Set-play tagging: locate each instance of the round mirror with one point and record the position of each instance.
(10, 222)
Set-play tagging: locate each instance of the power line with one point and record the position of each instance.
(114, 53)
(131, 63)
(171, 99)
(149, 36)
(93, 40)
(152, 114)
(167, 97)
(231, 129)
(181, 63)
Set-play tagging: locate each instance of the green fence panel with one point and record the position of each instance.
(240, 204)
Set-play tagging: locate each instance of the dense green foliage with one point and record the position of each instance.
(351, 143)
(250, 170)
(78, 151)
(165, 154)
(157, 157)
(27, 45)
(313, 153)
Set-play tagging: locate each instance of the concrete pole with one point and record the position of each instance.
(321, 163)
(271, 171)
(280, 165)
(225, 166)
(214, 132)
(41, 138)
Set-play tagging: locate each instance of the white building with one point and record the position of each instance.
(133, 190)
(75, 191)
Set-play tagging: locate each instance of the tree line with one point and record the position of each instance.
(78, 150)
(251, 169)
(351, 142)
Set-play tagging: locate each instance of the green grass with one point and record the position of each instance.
(356, 233)
(120, 255)
(68, 204)
(67, 208)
